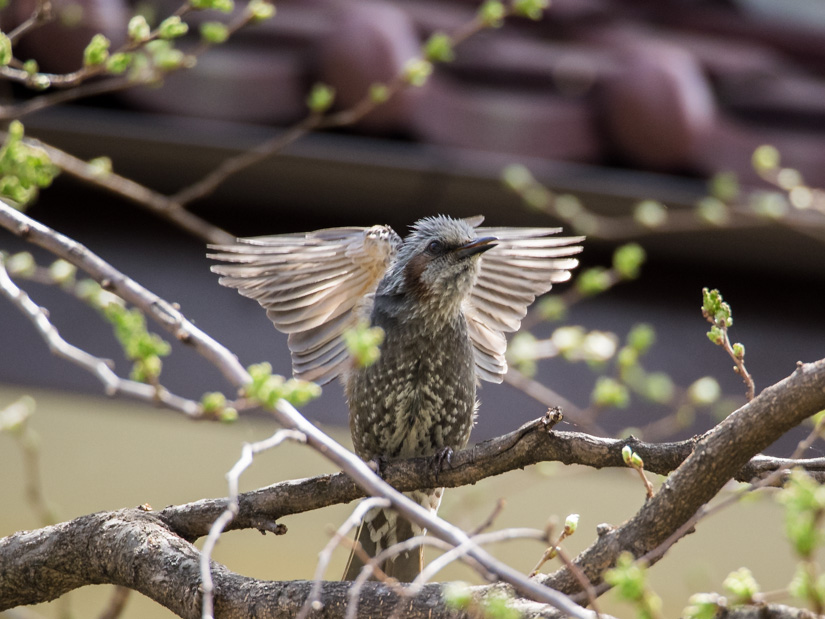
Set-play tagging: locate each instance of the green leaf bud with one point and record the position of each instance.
(610, 392)
(6, 53)
(712, 211)
(320, 98)
(172, 28)
(571, 523)
(417, 71)
(628, 260)
(531, 9)
(379, 93)
(458, 595)
(119, 62)
(138, 29)
(439, 48)
(702, 606)
(724, 186)
(742, 586)
(97, 51)
(62, 272)
(492, 14)
(641, 337)
(214, 32)
(704, 391)
(261, 10)
(592, 281)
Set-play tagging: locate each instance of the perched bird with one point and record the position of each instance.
(444, 296)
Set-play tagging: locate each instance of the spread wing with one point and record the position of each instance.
(525, 263)
(314, 286)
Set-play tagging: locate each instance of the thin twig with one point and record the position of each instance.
(233, 478)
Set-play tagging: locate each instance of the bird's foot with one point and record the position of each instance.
(440, 460)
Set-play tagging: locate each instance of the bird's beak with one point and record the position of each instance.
(477, 246)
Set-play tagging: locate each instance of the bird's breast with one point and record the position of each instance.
(419, 397)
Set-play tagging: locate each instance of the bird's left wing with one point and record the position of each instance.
(314, 286)
(525, 263)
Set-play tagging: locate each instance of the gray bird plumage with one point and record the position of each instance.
(445, 296)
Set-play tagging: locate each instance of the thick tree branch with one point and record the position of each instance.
(528, 445)
(718, 456)
(134, 549)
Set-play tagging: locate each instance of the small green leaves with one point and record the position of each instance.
(164, 56)
(439, 48)
(807, 586)
(97, 51)
(522, 353)
(267, 388)
(214, 405)
(650, 214)
(138, 29)
(702, 606)
(363, 343)
(261, 10)
(320, 98)
(630, 581)
(531, 9)
(143, 348)
(804, 501)
(457, 595)
(571, 523)
(628, 260)
(417, 71)
(765, 158)
(492, 14)
(741, 587)
(715, 309)
(631, 458)
(119, 62)
(552, 308)
(21, 264)
(24, 169)
(5, 50)
(224, 6)
(214, 32)
(610, 392)
(100, 166)
(593, 281)
(30, 66)
(62, 272)
(641, 337)
(172, 28)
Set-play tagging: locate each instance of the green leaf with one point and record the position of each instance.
(172, 28)
(702, 606)
(119, 62)
(439, 48)
(417, 71)
(214, 32)
(742, 586)
(138, 29)
(593, 281)
(6, 53)
(379, 93)
(320, 98)
(628, 260)
(363, 343)
(457, 595)
(492, 14)
(531, 9)
(713, 211)
(97, 51)
(610, 392)
(724, 186)
(261, 10)
(704, 391)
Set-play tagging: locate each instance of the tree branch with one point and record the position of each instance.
(718, 456)
(134, 549)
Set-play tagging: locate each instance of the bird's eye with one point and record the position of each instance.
(435, 247)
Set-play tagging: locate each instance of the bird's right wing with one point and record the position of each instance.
(314, 287)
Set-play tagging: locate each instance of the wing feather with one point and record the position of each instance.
(525, 263)
(314, 287)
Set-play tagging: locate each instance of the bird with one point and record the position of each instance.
(444, 296)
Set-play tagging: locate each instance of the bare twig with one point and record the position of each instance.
(233, 477)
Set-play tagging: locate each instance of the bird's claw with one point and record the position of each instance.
(442, 457)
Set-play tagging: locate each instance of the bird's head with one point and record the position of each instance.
(437, 264)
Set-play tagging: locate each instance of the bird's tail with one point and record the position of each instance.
(382, 528)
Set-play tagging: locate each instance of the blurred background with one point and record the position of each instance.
(612, 101)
